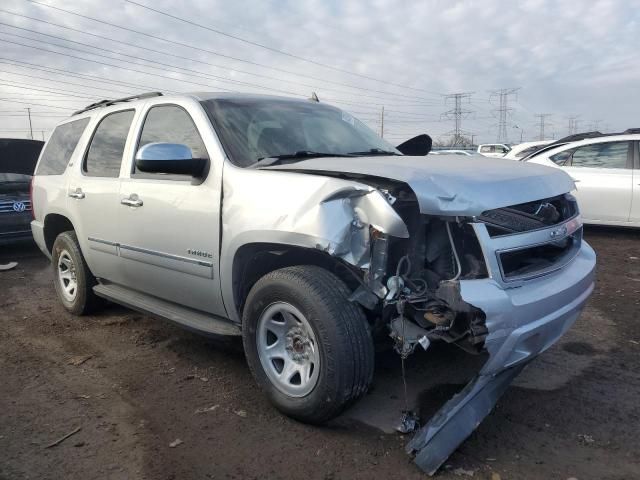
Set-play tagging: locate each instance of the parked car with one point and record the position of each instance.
(452, 152)
(524, 149)
(17, 162)
(606, 170)
(15, 208)
(292, 224)
(497, 150)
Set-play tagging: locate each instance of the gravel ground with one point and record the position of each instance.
(149, 400)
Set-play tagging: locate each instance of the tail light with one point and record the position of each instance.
(33, 210)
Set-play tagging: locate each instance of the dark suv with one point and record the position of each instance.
(15, 208)
(18, 157)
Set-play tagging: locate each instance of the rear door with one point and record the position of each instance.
(604, 179)
(169, 238)
(94, 198)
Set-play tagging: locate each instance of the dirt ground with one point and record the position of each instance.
(136, 386)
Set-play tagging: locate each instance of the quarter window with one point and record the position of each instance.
(561, 158)
(601, 155)
(60, 147)
(171, 124)
(107, 145)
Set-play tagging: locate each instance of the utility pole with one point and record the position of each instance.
(473, 135)
(573, 124)
(30, 126)
(542, 117)
(382, 122)
(504, 94)
(457, 114)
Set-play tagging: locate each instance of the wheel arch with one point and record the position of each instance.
(252, 261)
(54, 225)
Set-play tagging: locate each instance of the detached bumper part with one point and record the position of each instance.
(458, 418)
(522, 323)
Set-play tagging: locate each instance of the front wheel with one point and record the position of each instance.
(308, 347)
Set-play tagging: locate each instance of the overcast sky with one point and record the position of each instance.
(568, 58)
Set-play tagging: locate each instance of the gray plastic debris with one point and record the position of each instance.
(458, 418)
(8, 266)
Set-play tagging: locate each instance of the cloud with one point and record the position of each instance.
(574, 58)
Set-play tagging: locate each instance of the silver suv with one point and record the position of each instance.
(290, 223)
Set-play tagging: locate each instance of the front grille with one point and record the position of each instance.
(7, 206)
(536, 260)
(530, 216)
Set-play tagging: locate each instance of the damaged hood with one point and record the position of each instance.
(449, 185)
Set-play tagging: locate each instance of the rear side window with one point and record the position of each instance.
(104, 156)
(602, 155)
(60, 147)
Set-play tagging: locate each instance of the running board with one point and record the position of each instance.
(184, 316)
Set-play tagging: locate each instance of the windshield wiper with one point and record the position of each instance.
(300, 154)
(375, 151)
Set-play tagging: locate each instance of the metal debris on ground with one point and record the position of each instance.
(175, 443)
(207, 409)
(409, 422)
(8, 266)
(79, 360)
(62, 439)
(463, 472)
(586, 439)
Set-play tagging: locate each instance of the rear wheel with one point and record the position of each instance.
(308, 347)
(73, 280)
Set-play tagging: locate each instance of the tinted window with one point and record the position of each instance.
(60, 147)
(562, 157)
(107, 145)
(601, 155)
(172, 124)
(527, 151)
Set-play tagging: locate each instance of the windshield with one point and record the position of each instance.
(254, 128)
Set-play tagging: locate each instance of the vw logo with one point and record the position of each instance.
(19, 206)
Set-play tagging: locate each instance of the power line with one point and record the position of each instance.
(211, 52)
(504, 94)
(10, 100)
(244, 40)
(58, 71)
(181, 57)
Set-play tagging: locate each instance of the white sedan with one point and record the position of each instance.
(607, 174)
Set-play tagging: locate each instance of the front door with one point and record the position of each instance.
(604, 179)
(169, 224)
(94, 198)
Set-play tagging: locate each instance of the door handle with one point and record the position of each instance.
(132, 201)
(77, 194)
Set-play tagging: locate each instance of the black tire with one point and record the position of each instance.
(85, 301)
(342, 332)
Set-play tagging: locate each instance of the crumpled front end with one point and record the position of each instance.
(507, 281)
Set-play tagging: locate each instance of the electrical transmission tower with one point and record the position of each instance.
(504, 94)
(594, 126)
(457, 113)
(573, 124)
(542, 123)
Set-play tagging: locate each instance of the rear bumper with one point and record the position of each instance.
(523, 322)
(37, 229)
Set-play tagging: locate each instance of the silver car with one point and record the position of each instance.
(292, 224)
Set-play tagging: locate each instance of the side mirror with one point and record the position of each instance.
(417, 146)
(169, 158)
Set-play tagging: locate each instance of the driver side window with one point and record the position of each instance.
(170, 124)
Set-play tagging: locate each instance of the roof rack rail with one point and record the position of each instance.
(106, 103)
